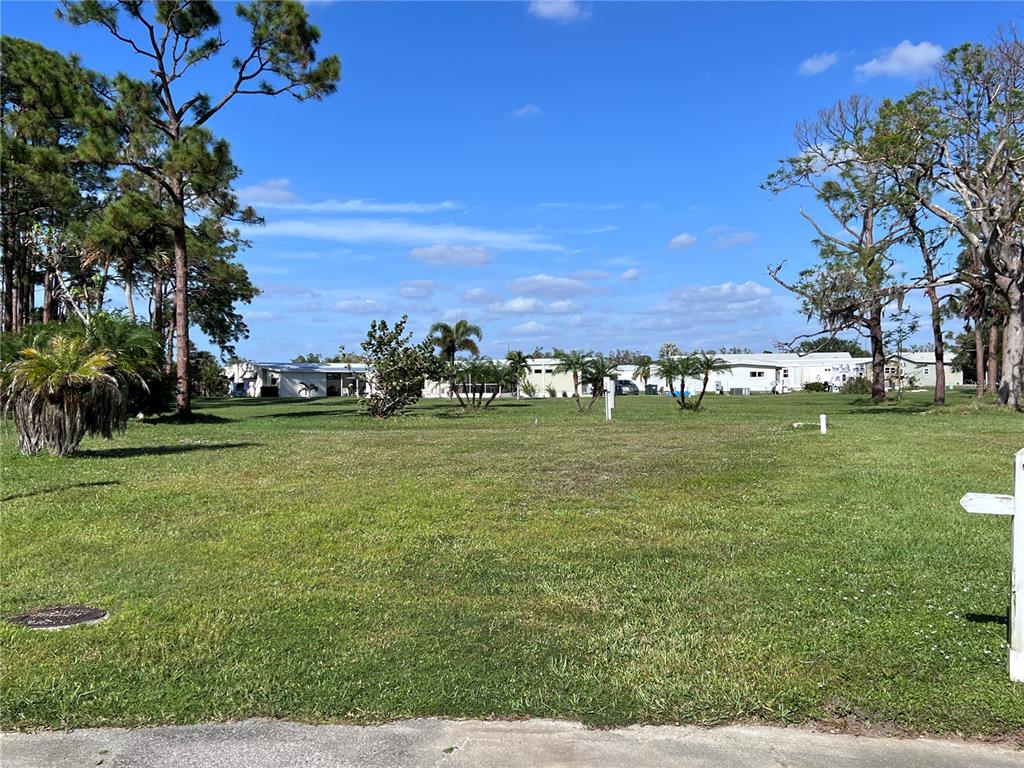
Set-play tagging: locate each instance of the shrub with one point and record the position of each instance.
(527, 389)
(399, 368)
(857, 386)
(551, 391)
(815, 386)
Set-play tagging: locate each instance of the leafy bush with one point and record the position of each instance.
(857, 386)
(399, 368)
(527, 389)
(552, 392)
(815, 386)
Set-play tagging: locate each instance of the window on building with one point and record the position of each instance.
(785, 373)
(538, 370)
(757, 374)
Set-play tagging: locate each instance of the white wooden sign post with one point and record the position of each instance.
(609, 398)
(1001, 504)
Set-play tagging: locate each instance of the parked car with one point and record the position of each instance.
(626, 387)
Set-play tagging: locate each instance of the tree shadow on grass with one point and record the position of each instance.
(987, 618)
(246, 402)
(307, 413)
(866, 406)
(72, 486)
(195, 418)
(158, 450)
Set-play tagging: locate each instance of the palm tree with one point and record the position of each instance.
(452, 339)
(704, 365)
(52, 389)
(596, 370)
(642, 370)
(501, 375)
(520, 366)
(676, 369)
(475, 372)
(573, 361)
(454, 375)
(77, 379)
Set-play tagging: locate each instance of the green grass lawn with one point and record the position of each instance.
(294, 559)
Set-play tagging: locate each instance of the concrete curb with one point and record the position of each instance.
(427, 743)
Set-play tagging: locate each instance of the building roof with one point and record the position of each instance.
(314, 367)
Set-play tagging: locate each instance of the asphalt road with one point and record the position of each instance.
(483, 744)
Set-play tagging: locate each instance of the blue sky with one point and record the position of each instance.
(579, 175)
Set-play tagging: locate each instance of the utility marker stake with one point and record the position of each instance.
(1013, 506)
(609, 398)
(824, 424)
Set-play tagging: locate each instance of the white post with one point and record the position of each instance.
(824, 424)
(1017, 573)
(609, 401)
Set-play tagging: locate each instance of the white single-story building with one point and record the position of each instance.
(918, 370)
(750, 373)
(296, 379)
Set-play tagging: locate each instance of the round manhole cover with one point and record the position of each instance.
(59, 617)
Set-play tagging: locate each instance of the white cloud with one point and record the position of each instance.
(365, 206)
(359, 306)
(719, 303)
(528, 110)
(268, 192)
(817, 63)
(261, 316)
(559, 10)
(417, 289)
(402, 232)
(530, 327)
(452, 255)
(905, 60)
(591, 274)
(682, 240)
(548, 285)
(527, 305)
(727, 237)
(630, 274)
(480, 296)
(277, 194)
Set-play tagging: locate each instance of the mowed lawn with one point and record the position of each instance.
(297, 560)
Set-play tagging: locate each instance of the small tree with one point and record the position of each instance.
(452, 339)
(674, 369)
(520, 366)
(74, 380)
(904, 325)
(643, 369)
(573, 361)
(669, 349)
(595, 371)
(703, 366)
(398, 368)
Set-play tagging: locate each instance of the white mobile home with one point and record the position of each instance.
(296, 379)
(918, 370)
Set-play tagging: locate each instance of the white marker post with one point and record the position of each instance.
(609, 398)
(1001, 504)
(824, 424)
